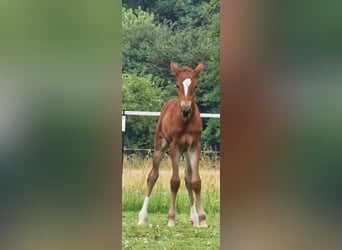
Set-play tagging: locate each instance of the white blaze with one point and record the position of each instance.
(186, 84)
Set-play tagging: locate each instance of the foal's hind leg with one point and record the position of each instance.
(187, 179)
(152, 178)
(195, 185)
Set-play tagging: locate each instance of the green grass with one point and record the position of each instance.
(160, 201)
(156, 235)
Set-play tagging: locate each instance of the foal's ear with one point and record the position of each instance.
(175, 68)
(198, 69)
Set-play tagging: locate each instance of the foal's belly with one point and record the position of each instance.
(187, 143)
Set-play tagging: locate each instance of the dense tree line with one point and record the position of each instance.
(153, 33)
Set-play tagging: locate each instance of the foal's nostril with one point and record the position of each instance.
(185, 111)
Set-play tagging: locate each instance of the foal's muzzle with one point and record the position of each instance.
(185, 111)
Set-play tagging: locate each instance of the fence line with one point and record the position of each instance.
(151, 150)
(151, 113)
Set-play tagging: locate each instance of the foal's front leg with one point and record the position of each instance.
(174, 184)
(159, 149)
(151, 180)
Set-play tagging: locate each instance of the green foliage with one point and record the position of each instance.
(140, 94)
(211, 135)
(153, 33)
(137, 17)
(183, 13)
(138, 35)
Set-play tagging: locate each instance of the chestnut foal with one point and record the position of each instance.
(179, 128)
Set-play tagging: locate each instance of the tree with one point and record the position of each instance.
(211, 135)
(187, 33)
(180, 12)
(138, 35)
(140, 93)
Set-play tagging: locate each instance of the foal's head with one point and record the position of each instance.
(186, 83)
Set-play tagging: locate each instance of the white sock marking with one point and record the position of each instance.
(193, 159)
(193, 215)
(186, 84)
(143, 211)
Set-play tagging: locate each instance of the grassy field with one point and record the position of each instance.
(155, 234)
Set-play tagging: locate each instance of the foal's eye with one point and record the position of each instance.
(177, 86)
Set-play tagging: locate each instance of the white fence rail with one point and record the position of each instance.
(148, 113)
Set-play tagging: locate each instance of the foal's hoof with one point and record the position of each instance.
(195, 223)
(171, 223)
(203, 223)
(140, 222)
(194, 220)
(141, 219)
